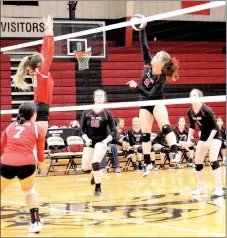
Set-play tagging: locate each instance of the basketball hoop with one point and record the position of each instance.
(83, 59)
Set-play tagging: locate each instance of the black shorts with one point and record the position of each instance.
(42, 111)
(204, 136)
(223, 145)
(22, 172)
(149, 109)
(94, 141)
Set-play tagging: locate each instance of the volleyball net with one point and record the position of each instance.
(202, 63)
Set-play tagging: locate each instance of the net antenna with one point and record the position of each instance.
(83, 58)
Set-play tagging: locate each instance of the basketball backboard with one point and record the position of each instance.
(94, 42)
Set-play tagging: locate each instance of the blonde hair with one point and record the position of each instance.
(27, 62)
(170, 68)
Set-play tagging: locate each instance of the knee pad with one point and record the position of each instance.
(130, 151)
(96, 166)
(198, 167)
(191, 148)
(166, 129)
(30, 192)
(146, 137)
(140, 150)
(87, 171)
(214, 165)
(152, 149)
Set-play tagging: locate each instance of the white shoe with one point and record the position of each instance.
(218, 192)
(199, 191)
(176, 158)
(179, 166)
(35, 227)
(148, 170)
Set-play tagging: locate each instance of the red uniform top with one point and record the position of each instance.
(18, 142)
(42, 80)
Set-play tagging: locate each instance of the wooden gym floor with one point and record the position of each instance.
(160, 205)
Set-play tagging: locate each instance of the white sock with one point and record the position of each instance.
(217, 177)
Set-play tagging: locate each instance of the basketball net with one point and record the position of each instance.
(83, 58)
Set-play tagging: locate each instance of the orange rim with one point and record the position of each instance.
(81, 54)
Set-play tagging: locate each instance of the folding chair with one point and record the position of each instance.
(74, 140)
(55, 147)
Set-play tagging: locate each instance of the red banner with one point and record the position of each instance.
(186, 4)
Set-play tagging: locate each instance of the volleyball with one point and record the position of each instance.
(138, 27)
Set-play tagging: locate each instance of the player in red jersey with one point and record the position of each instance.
(18, 160)
(38, 66)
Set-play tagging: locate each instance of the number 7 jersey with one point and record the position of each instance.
(18, 142)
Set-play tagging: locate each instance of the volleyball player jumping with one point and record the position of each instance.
(156, 71)
(38, 66)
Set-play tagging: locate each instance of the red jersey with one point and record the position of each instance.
(18, 142)
(42, 80)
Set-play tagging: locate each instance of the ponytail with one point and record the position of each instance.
(18, 79)
(20, 119)
(170, 69)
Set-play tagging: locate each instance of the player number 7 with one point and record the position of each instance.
(20, 128)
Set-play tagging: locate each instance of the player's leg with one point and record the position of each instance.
(26, 175)
(200, 155)
(99, 151)
(7, 173)
(146, 123)
(162, 118)
(213, 156)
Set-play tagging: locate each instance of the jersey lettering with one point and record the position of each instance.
(95, 123)
(20, 130)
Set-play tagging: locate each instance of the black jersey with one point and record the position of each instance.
(151, 86)
(118, 137)
(97, 125)
(135, 137)
(160, 139)
(223, 133)
(182, 135)
(205, 120)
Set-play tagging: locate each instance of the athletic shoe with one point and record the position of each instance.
(155, 167)
(176, 158)
(92, 180)
(179, 166)
(199, 191)
(190, 164)
(97, 192)
(207, 163)
(172, 166)
(148, 170)
(117, 170)
(224, 162)
(35, 227)
(162, 167)
(218, 192)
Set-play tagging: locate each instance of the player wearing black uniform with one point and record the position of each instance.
(135, 140)
(156, 71)
(223, 132)
(181, 131)
(210, 140)
(96, 136)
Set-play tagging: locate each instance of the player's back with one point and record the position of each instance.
(20, 142)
